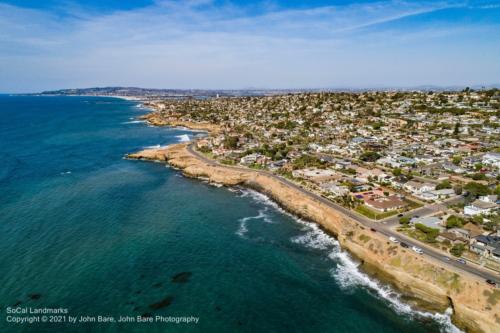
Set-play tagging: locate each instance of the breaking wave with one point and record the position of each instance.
(155, 147)
(183, 138)
(347, 272)
(134, 122)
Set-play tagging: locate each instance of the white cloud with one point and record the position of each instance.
(198, 44)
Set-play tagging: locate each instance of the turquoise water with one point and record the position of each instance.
(83, 229)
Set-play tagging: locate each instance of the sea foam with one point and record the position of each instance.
(347, 272)
(183, 138)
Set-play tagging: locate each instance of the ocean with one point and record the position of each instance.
(84, 230)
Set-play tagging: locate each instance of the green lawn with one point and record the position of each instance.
(373, 214)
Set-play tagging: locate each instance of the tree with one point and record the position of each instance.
(231, 142)
(479, 176)
(443, 185)
(397, 172)
(431, 233)
(456, 159)
(458, 189)
(454, 222)
(476, 189)
(457, 249)
(405, 220)
(369, 156)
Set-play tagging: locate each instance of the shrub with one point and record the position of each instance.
(457, 250)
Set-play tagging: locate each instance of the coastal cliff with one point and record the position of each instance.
(423, 281)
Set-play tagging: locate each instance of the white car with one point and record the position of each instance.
(393, 239)
(417, 249)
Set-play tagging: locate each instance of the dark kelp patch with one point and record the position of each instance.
(182, 277)
(35, 296)
(162, 304)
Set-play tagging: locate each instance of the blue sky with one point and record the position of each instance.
(54, 44)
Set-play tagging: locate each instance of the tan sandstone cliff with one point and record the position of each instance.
(426, 282)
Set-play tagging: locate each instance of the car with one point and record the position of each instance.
(404, 245)
(417, 250)
(400, 215)
(446, 258)
(373, 229)
(491, 282)
(393, 239)
(462, 261)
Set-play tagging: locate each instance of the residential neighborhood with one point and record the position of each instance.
(380, 154)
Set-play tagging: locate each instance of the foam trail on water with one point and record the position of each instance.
(155, 147)
(183, 138)
(134, 122)
(243, 228)
(347, 272)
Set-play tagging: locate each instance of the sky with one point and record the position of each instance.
(222, 44)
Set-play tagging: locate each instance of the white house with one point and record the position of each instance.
(492, 159)
(479, 207)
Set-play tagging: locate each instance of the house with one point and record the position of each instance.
(492, 159)
(418, 187)
(316, 175)
(385, 203)
(335, 189)
(437, 194)
(453, 168)
(429, 221)
(480, 207)
(487, 246)
(451, 237)
(249, 159)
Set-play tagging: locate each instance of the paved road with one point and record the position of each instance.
(379, 227)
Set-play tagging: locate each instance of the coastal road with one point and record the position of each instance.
(382, 228)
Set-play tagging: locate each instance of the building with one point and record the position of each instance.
(429, 221)
(487, 246)
(480, 207)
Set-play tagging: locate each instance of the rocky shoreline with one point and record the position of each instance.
(424, 282)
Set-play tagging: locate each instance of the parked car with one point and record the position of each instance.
(404, 245)
(491, 282)
(417, 249)
(393, 239)
(400, 215)
(462, 261)
(446, 258)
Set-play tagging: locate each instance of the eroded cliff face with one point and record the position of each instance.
(429, 283)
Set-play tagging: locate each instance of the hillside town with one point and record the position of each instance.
(427, 163)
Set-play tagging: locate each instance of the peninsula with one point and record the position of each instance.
(406, 181)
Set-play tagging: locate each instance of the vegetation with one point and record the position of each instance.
(454, 222)
(476, 189)
(443, 185)
(431, 233)
(457, 249)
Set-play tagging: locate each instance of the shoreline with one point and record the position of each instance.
(423, 282)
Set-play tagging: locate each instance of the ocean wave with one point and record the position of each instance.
(155, 147)
(243, 228)
(133, 122)
(183, 138)
(347, 272)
